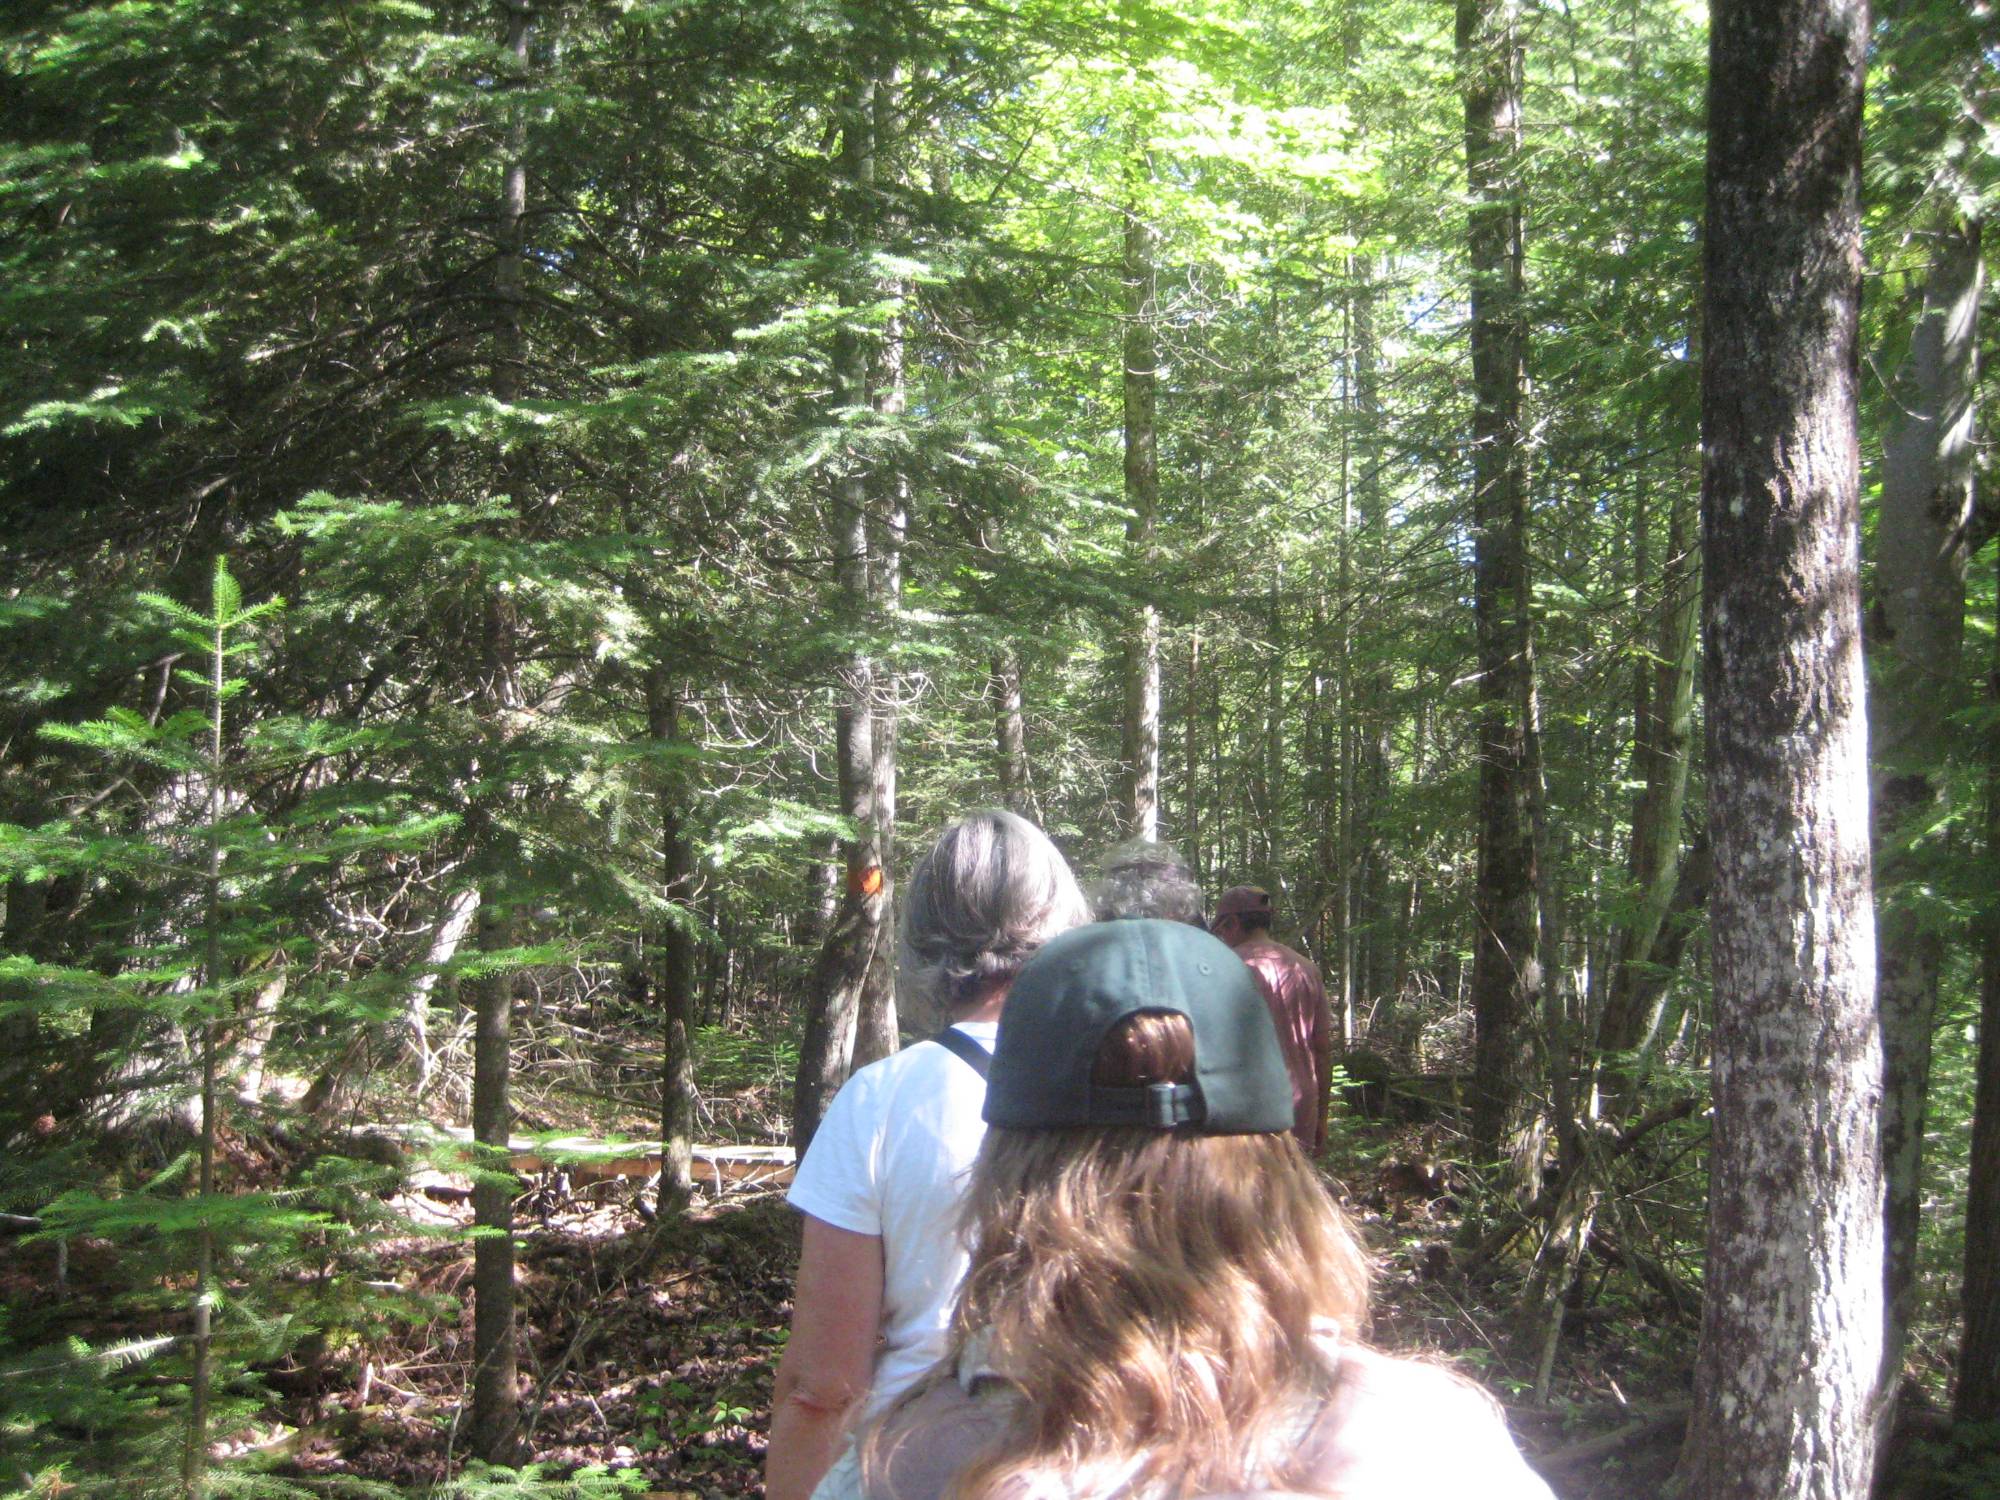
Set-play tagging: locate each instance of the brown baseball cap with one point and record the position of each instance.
(1241, 899)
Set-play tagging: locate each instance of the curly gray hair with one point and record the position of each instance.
(990, 892)
(1143, 878)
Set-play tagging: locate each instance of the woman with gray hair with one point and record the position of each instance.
(1145, 878)
(880, 1185)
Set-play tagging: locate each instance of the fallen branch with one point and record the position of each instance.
(1669, 1419)
(1639, 1129)
(341, 1424)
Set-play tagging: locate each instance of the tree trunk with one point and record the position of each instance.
(20, 1023)
(1140, 759)
(875, 1034)
(822, 895)
(1507, 964)
(1651, 985)
(195, 1461)
(495, 1387)
(453, 924)
(1787, 1375)
(1377, 897)
(1272, 757)
(1915, 640)
(257, 1024)
(1662, 742)
(495, 1425)
(1346, 735)
(875, 1030)
(1191, 755)
(675, 944)
(1010, 737)
(846, 958)
(1977, 1398)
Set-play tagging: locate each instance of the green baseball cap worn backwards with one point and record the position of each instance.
(1069, 996)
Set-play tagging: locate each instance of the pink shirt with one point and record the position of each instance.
(1292, 989)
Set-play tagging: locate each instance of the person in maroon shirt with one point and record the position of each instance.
(1292, 989)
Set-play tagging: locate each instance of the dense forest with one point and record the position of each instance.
(518, 519)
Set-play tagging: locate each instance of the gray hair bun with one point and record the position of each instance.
(990, 891)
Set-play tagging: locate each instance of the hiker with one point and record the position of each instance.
(1292, 988)
(1145, 878)
(881, 1183)
(1163, 1300)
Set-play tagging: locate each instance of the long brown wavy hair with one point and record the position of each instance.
(1152, 1297)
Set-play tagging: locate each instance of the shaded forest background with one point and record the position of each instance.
(517, 518)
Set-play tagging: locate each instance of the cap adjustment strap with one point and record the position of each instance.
(1157, 1106)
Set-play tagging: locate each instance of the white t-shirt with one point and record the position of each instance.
(891, 1159)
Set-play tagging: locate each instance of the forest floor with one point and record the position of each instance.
(651, 1347)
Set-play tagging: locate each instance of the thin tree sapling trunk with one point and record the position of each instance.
(675, 945)
(195, 1462)
(495, 1426)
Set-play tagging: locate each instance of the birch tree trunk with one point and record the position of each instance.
(1140, 760)
(1915, 640)
(1787, 1375)
(1507, 963)
(453, 923)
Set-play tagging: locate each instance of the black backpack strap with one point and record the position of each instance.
(965, 1049)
